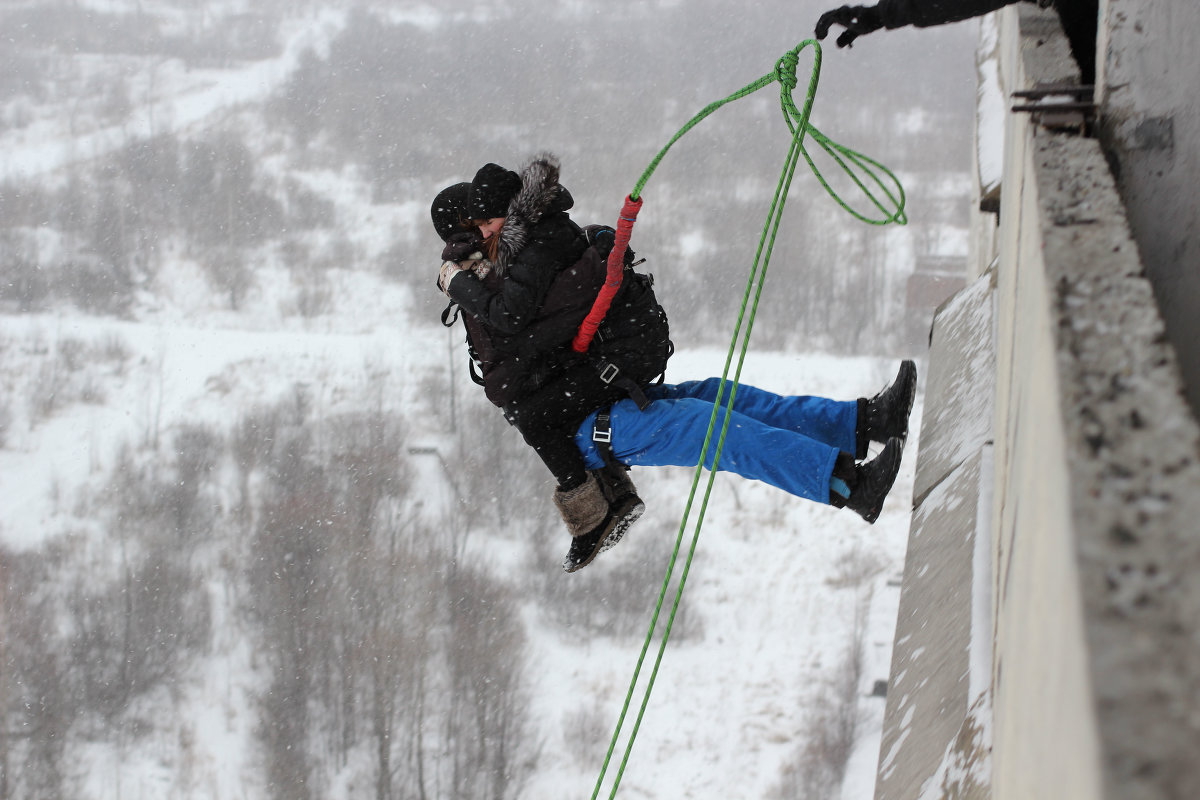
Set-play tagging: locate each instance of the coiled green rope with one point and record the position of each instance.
(892, 210)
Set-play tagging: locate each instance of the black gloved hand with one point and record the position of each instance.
(857, 20)
(461, 245)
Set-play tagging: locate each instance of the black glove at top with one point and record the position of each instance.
(461, 245)
(857, 20)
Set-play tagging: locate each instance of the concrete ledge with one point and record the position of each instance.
(1064, 508)
(959, 385)
(938, 712)
(1150, 125)
(1135, 479)
(937, 721)
(1097, 667)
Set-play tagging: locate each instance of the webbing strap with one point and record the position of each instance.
(602, 436)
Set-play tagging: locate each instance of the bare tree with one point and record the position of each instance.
(228, 272)
(498, 476)
(251, 445)
(197, 452)
(289, 585)
(386, 623)
(376, 639)
(134, 634)
(35, 696)
(486, 727)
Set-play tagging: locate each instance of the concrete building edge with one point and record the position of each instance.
(1093, 773)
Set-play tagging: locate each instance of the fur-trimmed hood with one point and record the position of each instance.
(540, 193)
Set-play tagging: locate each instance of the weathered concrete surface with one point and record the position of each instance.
(1095, 513)
(1147, 75)
(959, 384)
(936, 722)
(1044, 730)
(1106, 676)
(1134, 452)
(929, 694)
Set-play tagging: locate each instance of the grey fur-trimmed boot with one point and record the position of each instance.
(595, 522)
(582, 508)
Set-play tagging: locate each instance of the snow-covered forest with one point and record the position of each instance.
(260, 536)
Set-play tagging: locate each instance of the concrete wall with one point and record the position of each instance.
(937, 715)
(1041, 686)
(1083, 482)
(1147, 76)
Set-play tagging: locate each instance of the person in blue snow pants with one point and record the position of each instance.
(524, 275)
(789, 442)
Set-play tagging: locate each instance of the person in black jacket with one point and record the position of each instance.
(1079, 20)
(525, 289)
(521, 335)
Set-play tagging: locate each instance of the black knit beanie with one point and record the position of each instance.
(492, 189)
(449, 210)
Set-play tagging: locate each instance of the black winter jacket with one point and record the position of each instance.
(924, 13)
(534, 248)
(522, 316)
(1079, 20)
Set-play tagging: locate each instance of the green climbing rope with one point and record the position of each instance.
(864, 172)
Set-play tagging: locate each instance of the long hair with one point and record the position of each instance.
(491, 247)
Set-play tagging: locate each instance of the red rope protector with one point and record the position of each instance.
(612, 282)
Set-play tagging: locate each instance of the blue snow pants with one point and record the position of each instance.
(788, 442)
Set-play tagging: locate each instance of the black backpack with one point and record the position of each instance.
(634, 335)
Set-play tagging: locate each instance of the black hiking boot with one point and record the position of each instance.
(885, 416)
(586, 547)
(869, 483)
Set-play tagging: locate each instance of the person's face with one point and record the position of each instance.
(491, 227)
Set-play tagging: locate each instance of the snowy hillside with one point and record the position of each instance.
(261, 537)
(782, 592)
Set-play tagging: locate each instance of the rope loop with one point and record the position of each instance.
(873, 180)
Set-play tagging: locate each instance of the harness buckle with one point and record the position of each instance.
(602, 430)
(609, 372)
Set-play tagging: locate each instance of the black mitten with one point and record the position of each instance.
(461, 245)
(857, 20)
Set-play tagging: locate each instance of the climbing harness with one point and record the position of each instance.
(863, 171)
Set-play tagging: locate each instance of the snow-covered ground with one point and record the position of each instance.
(776, 583)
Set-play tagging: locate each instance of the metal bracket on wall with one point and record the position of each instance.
(1059, 106)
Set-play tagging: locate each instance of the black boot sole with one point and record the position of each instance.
(907, 375)
(585, 548)
(880, 476)
(630, 509)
